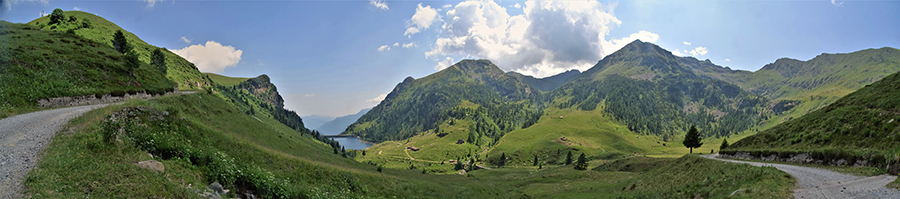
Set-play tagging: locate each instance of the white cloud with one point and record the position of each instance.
(421, 20)
(213, 57)
(836, 3)
(517, 5)
(616, 44)
(379, 4)
(726, 59)
(678, 52)
(396, 44)
(409, 45)
(686, 43)
(699, 51)
(448, 61)
(76, 8)
(377, 99)
(186, 40)
(548, 38)
(384, 48)
(447, 6)
(151, 3)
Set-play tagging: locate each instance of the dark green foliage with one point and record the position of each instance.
(86, 24)
(72, 19)
(158, 59)
(419, 105)
(692, 139)
(535, 161)
(724, 144)
(57, 16)
(131, 61)
(120, 42)
(569, 158)
(582, 163)
(502, 160)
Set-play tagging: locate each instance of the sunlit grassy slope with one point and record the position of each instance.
(101, 31)
(225, 80)
(37, 64)
(78, 163)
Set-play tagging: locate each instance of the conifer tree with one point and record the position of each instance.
(724, 144)
(582, 163)
(692, 139)
(569, 158)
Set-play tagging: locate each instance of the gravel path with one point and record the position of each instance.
(23, 137)
(822, 183)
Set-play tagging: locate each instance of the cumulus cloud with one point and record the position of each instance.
(377, 99)
(396, 44)
(76, 8)
(384, 48)
(212, 57)
(836, 3)
(726, 59)
(409, 45)
(379, 4)
(517, 5)
(679, 53)
(421, 20)
(185, 40)
(448, 61)
(548, 38)
(686, 43)
(699, 51)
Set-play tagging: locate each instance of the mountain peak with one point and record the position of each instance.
(479, 65)
(643, 47)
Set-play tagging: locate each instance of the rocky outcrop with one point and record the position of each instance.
(93, 99)
(152, 165)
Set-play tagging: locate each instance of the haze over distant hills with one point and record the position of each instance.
(339, 124)
(315, 121)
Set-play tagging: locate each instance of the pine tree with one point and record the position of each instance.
(120, 42)
(159, 60)
(582, 163)
(502, 160)
(724, 144)
(535, 161)
(692, 139)
(569, 158)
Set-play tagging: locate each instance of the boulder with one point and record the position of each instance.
(152, 165)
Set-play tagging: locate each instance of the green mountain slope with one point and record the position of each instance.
(863, 122)
(419, 105)
(259, 97)
(37, 64)
(101, 31)
(225, 80)
(547, 84)
(799, 87)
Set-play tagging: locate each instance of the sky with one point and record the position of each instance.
(334, 58)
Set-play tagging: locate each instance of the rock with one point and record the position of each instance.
(152, 165)
(215, 186)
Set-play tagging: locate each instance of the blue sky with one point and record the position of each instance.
(334, 58)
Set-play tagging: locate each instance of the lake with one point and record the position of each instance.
(352, 143)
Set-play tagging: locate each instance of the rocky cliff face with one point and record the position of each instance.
(263, 89)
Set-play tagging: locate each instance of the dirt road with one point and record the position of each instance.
(822, 183)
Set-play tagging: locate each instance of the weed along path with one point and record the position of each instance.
(822, 183)
(23, 137)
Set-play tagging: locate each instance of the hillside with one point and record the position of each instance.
(258, 96)
(863, 122)
(99, 30)
(547, 84)
(799, 87)
(473, 89)
(339, 124)
(38, 64)
(225, 80)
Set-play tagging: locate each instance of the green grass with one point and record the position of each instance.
(101, 31)
(38, 64)
(685, 177)
(225, 80)
(78, 163)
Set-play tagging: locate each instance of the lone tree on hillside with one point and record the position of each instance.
(120, 43)
(582, 163)
(692, 139)
(159, 60)
(502, 160)
(724, 144)
(569, 158)
(535, 161)
(131, 59)
(57, 16)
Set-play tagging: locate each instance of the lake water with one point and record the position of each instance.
(352, 143)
